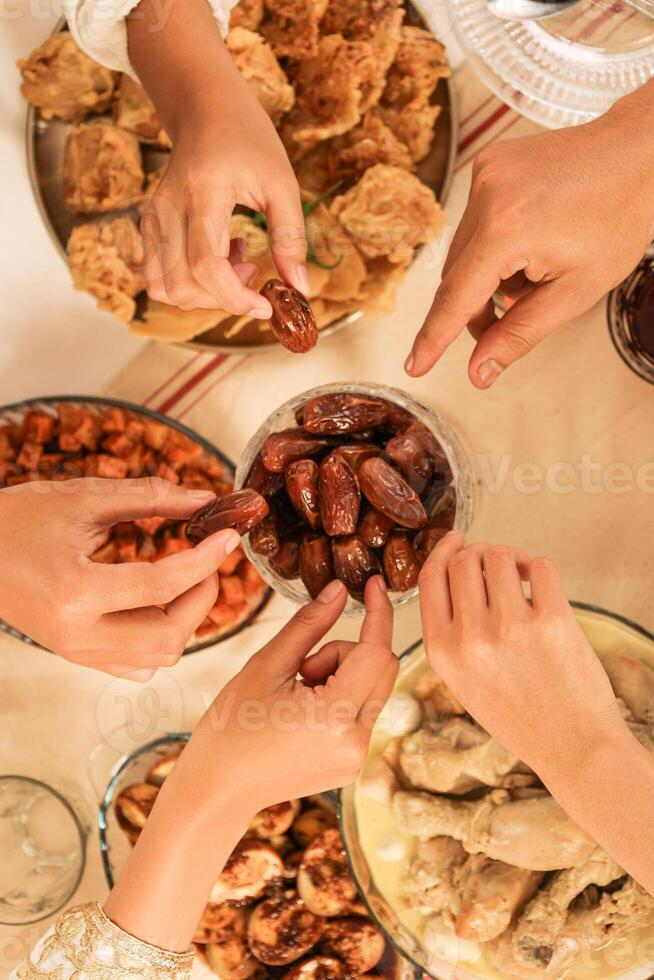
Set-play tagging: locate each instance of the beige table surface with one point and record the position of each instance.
(571, 400)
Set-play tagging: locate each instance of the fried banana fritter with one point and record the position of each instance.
(256, 61)
(102, 169)
(135, 113)
(105, 260)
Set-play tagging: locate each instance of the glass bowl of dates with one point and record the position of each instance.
(285, 905)
(63, 438)
(360, 479)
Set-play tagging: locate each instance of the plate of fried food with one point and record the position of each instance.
(285, 904)
(69, 437)
(465, 858)
(361, 97)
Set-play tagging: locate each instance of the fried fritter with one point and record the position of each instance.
(328, 93)
(419, 63)
(247, 13)
(105, 260)
(101, 169)
(257, 63)
(371, 142)
(254, 237)
(171, 325)
(63, 82)
(291, 27)
(413, 125)
(388, 213)
(377, 21)
(377, 294)
(134, 112)
(332, 246)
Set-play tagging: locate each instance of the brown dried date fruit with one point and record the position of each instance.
(401, 565)
(264, 538)
(292, 321)
(339, 496)
(262, 480)
(355, 455)
(418, 456)
(354, 563)
(316, 564)
(241, 510)
(444, 510)
(389, 492)
(282, 448)
(286, 563)
(374, 528)
(341, 412)
(426, 540)
(397, 418)
(302, 489)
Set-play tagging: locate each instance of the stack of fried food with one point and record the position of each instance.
(349, 86)
(71, 440)
(284, 905)
(497, 861)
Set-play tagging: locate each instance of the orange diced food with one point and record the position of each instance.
(155, 434)
(7, 450)
(118, 444)
(108, 467)
(231, 562)
(166, 473)
(196, 481)
(222, 614)
(150, 525)
(38, 427)
(147, 548)
(29, 455)
(232, 590)
(127, 549)
(114, 420)
(107, 554)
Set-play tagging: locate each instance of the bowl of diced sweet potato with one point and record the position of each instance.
(64, 438)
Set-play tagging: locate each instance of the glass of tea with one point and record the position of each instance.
(630, 311)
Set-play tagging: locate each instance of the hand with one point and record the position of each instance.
(104, 616)
(553, 221)
(299, 737)
(226, 152)
(525, 672)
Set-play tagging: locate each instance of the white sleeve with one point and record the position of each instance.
(84, 943)
(98, 27)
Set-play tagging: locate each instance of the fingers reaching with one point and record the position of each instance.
(372, 660)
(321, 665)
(113, 501)
(288, 238)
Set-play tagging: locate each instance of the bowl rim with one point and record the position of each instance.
(583, 607)
(81, 833)
(209, 447)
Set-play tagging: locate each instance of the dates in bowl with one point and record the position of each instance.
(359, 480)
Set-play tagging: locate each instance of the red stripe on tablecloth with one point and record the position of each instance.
(172, 378)
(215, 362)
(482, 127)
(471, 115)
(213, 384)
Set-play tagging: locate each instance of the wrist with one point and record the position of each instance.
(629, 125)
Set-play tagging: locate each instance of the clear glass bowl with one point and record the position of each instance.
(43, 847)
(284, 418)
(363, 822)
(15, 414)
(619, 310)
(562, 70)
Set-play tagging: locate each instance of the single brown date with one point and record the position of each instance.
(339, 496)
(374, 528)
(354, 563)
(401, 565)
(264, 538)
(414, 457)
(241, 510)
(426, 540)
(282, 448)
(389, 492)
(292, 321)
(316, 563)
(355, 454)
(338, 413)
(262, 480)
(302, 489)
(444, 510)
(286, 562)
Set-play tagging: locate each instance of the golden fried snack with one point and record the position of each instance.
(332, 246)
(171, 325)
(419, 64)
(291, 27)
(413, 125)
(377, 21)
(377, 295)
(329, 93)
(61, 81)
(247, 13)
(133, 111)
(104, 260)
(388, 213)
(101, 170)
(256, 61)
(371, 142)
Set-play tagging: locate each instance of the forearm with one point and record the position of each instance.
(182, 61)
(162, 891)
(609, 791)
